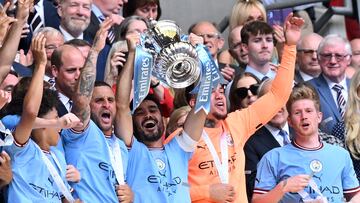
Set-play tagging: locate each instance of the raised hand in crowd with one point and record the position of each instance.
(72, 174)
(279, 33)
(292, 29)
(124, 194)
(101, 34)
(12, 39)
(38, 50)
(85, 86)
(117, 19)
(5, 21)
(117, 59)
(25, 59)
(195, 39)
(25, 31)
(5, 169)
(228, 73)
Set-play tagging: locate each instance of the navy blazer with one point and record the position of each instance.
(297, 77)
(93, 27)
(328, 107)
(61, 109)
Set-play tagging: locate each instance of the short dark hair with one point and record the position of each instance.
(78, 43)
(130, 7)
(100, 83)
(150, 97)
(255, 28)
(49, 100)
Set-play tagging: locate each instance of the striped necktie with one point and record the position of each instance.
(340, 99)
(35, 21)
(284, 135)
(111, 33)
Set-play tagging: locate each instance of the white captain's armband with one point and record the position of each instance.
(185, 141)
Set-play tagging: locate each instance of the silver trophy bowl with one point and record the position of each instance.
(176, 62)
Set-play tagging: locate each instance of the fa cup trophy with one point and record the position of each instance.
(175, 62)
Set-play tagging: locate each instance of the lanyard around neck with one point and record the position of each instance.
(55, 175)
(223, 165)
(116, 161)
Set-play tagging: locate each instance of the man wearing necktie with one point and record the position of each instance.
(101, 9)
(334, 55)
(274, 134)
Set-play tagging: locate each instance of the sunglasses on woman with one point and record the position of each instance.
(242, 92)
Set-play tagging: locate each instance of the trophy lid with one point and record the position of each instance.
(166, 32)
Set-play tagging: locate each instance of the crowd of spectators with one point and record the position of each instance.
(283, 123)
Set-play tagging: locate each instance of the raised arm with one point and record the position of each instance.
(12, 39)
(34, 94)
(123, 118)
(259, 112)
(85, 86)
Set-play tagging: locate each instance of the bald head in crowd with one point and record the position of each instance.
(235, 47)
(307, 58)
(212, 38)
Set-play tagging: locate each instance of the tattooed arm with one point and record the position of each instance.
(85, 86)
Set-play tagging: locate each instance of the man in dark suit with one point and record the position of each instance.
(74, 21)
(274, 134)
(307, 61)
(66, 61)
(332, 85)
(100, 10)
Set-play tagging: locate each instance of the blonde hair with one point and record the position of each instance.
(111, 72)
(242, 10)
(352, 117)
(175, 116)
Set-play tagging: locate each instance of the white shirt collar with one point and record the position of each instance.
(305, 76)
(97, 11)
(270, 74)
(275, 132)
(65, 100)
(331, 83)
(68, 36)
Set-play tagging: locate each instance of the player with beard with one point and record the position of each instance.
(97, 153)
(213, 179)
(156, 172)
(293, 172)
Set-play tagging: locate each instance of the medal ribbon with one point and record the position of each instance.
(116, 162)
(142, 71)
(55, 175)
(223, 166)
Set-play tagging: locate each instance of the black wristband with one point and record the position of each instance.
(153, 86)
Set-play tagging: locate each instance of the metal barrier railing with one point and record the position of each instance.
(347, 10)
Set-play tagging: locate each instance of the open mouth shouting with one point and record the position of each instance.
(149, 124)
(106, 117)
